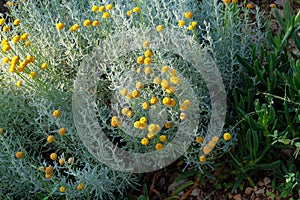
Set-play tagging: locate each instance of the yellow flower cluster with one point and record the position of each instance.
(188, 15)
(115, 121)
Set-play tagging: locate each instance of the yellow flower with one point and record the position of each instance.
(129, 113)
(212, 144)
(182, 116)
(226, 136)
(44, 66)
(167, 101)
(136, 124)
(24, 36)
(140, 60)
(16, 39)
(60, 26)
(181, 23)
(194, 24)
(80, 186)
(168, 124)
(165, 84)
(147, 70)
(139, 85)
(135, 94)
(157, 80)
(188, 14)
(29, 59)
(145, 141)
(108, 6)
(146, 44)
(106, 15)
(170, 89)
(165, 69)
(27, 43)
(152, 128)
(191, 27)
(114, 121)
(56, 113)
(207, 150)
(62, 131)
(95, 23)
(1, 131)
(129, 96)
(162, 138)
(101, 8)
(154, 100)
(184, 106)
(124, 92)
(175, 80)
(50, 138)
(19, 155)
(61, 161)
(202, 158)
(136, 9)
(71, 160)
(129, 12)
(19, 83)
(172, 72)
(32, 74)
(159, 28)
(147, 61)
(150, 135)
(199, 139)
(17, 22)
(272, 5)
(138, 70)
(143, 119)
(87, 22)
(159, 146)
(215, 139)
(53, 156)
(250, 6)
(173, 103)
(74, 27)
(146, 105)
(95, 8)
(62, 189)
(48, 176)
(5, 48)
(234, 1)
(124, 111)
(49, 170)
(2, 21)
(226, 1)
(148, 53)
(12, 68)
(5, 28)
(6, 60)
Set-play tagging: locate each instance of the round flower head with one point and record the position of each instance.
(147, 61)
(2, 21)
(151, 135)
(154, 100)
(56, 113)
(24, 36)
(1, 131)
(171, 89)
(5, 28)
(167, 101)
(148, 53)
(215, 139)
(162, 138)
(95, 8)
(101, 8)
(139, 85)
(53, 156)
(95, 23)
(146, 105)
(250, 6)
(6, 60)
(146, 44)
(44, 66)
(129, 113)
(60, 26)
(165, 84)
(87, 22)
(182, 116)
(226, 136)
(140, 60)
(49, 170)
(173, 103)
(157, 80)
(151, 128)
(16, 22)
(80, 186)
(191, 27)
(106, 15)
(143, 119)
(234, 1)
(50, 138)
(108, 6)
(129, 12)
(145, 141)
(173, 72)
(175, 80)
(19, 155)
(168, 124)
(181, 23)
(202, 158)
(159, 146)
(207, 150)
(32, 74)
(165, 69)
(62, 131)
(226, 1)
(188, 14)
(16, 39)
(272, 5)
(124, 92)
(136, 124)
(148, 70)
(124, 111)
(62, 189)
(48, 176)
(135, 94)
(159, 28)
(199, 139)
(61, 161)
(136, 9)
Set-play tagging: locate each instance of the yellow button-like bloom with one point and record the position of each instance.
(167, 101)
(154, 100)
(5, 28)
(250, 6)
(124, 92)
(12, 69)
(80, 186)
(143, 119)
(147, 61)
(168, 124)
(60, 26)
(17, 22)
(146, 44)
(32, 74)
(152, 128)
(202, 158)
(129, 12)
(159, 28)
(16, 39)
(207, 150)
(145, 141)
(124, 111)
(194, 24)
(136, 124)
(135, 94)
(148, 70)
(50, 138)
(173, 103)
(272, 5)
(188, 14)
(191, 27)
(175, 80)
(165, 69)
(165, 84)
(27, 43)
(226, 1)
(2, 21)
(62, 131)
(95, 23)
(146, 105)
(44, 66)
(226, 136)
(48, 176)
(108, 6)
(181, 23)
(212, 144)
(19, 155)
(215, 139)
(140, 60)
(1, 131)
(157, 80)
(106, 15)
(170, 89)
(139, 85)
(101, 8)
(53, 156)
(49, 170)
(56, 113)
(95, 8)
(148, 53)
(6, 48)
(159, 146)
(172, 72)
(24, 36)
(62, 189)
(87, 22)
(129, 113)
(6, 60)
(151, 135)
(163, 138)
(19, 83)
(199, 139)
(61, 161)
(136, 9)
(182, 116)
